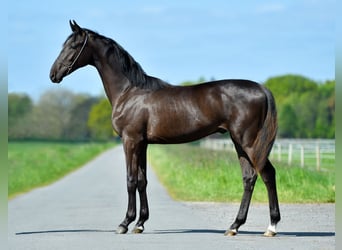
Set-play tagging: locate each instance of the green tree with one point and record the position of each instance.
(19, 107)
(325, 123)
(306, 110)
(77, 128)
(99, 122)
(287, 122)
(50, 117)
(284, 86)
(311, 104)
(53, 113)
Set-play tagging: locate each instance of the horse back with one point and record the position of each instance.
(181, 114)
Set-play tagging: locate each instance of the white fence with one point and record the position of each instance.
(317, 153)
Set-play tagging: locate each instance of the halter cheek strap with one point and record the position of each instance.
(78, 55)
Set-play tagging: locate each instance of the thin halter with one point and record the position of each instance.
(78, 55)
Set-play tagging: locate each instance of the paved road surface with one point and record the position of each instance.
(82, 211)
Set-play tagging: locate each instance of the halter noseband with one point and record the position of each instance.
(78, 55)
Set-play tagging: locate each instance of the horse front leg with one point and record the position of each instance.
(142, 184)
(131, 149)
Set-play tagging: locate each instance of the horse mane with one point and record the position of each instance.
(130, 68)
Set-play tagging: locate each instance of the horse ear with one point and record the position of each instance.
(74, 26)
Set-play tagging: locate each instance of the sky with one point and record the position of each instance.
(175, 40)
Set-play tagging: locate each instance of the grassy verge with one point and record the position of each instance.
(194, 174)
(34, 164)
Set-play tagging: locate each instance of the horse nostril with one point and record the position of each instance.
(52, 76)
(55, 78)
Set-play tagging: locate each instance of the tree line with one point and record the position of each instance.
(59, 115)
(306, 109)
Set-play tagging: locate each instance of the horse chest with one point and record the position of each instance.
(128, 120)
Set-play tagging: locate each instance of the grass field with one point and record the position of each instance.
(34, 164)
(189, 172)
(195, 174)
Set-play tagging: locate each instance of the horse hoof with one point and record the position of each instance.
(270, 233)
(138, 229)
(231, 232)
(121, 230)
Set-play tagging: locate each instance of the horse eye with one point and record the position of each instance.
(73, 45)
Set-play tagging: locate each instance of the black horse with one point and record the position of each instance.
(147, 110)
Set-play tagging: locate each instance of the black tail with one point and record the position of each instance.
(263, 143)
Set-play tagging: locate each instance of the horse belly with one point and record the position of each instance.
(180, 128)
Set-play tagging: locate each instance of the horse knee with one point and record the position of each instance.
(131, 184)
(142, 185)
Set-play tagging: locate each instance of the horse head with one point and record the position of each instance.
(74, 54)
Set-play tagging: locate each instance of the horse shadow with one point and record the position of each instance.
(246, 233)
(183, 231)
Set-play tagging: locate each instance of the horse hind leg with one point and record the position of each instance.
(268, 175)
(249, 175)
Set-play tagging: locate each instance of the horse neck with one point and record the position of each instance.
(113, 79)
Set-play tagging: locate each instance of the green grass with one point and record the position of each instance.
(35, 164)
(191, 173)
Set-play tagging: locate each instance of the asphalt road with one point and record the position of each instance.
(82, 211)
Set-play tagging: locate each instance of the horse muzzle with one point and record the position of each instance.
(57, 73)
